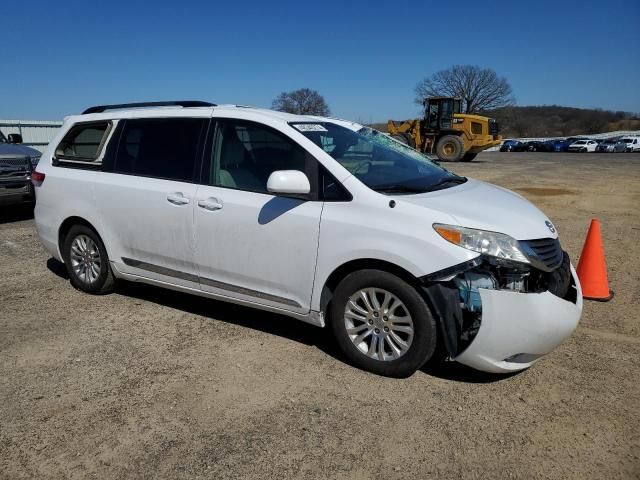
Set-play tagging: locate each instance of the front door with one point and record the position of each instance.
(249, 244)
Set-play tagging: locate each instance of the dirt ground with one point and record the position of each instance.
(147, 383)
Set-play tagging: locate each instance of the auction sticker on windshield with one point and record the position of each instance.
(309, 127)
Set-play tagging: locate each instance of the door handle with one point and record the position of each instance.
(177, 198)
(210, 203)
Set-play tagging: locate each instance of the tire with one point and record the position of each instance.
(450, 148)
(404, 138)
(468, 157)
(414, 339)
(81, 240)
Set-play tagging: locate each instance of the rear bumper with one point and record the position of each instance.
(517, 329)
(47, 228)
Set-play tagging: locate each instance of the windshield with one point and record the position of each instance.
(2, 139)
(378, 161)
(580, 142)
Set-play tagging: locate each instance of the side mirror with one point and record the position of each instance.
(14, 138)
(288, 182)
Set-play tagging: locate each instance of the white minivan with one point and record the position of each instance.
(633, 143)
(334, 226)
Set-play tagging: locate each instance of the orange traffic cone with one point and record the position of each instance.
(592, 269)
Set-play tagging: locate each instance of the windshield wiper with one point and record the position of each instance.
(398, 189)
(446, 181)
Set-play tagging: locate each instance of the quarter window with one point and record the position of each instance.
(244, 154)
(83, 142)
(160, 147)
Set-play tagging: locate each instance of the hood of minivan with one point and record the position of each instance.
(476, 204)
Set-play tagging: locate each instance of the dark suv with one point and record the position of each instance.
(16, 163)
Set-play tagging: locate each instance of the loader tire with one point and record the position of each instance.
(450, 148)
(404, 138)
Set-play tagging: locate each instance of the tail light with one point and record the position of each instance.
(37, 178)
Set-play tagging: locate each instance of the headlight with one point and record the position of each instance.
(35, 160)
(493, 244)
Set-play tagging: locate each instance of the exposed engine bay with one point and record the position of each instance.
(457, 301)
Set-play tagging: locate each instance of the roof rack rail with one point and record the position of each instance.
(179, 103)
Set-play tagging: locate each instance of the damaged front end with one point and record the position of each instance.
(457, 296)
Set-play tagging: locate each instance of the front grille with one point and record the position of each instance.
(543, 253)
(561, 282)
(14, 166)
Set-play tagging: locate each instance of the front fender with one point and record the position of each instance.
(402, 236)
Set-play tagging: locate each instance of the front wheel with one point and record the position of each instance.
(404, 138)
(382, 324)
(450, 148)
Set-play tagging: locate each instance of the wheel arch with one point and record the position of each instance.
(340, 272)
(69, 222)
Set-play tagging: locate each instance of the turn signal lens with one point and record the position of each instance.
(448, 234)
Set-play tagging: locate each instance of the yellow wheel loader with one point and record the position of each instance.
(446, 132)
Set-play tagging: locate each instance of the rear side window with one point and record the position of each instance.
(164, 148)
(83, 143)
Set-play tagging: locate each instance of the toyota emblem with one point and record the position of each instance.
(550, 226)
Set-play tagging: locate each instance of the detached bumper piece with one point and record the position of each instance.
(501, 317)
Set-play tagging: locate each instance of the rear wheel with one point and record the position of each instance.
(467, 157)
(86, 260)
(382, 324)
(450, 148)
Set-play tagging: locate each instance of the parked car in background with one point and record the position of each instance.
(632, 143)
(583, 146)
(16, 164)
(512, 146)
(563, 145)
(612, 146)
(534, 146)
(557, 145)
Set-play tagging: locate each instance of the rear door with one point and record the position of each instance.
(146, 201)
(249, 244)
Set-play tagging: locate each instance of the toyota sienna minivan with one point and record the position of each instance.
(312, 218)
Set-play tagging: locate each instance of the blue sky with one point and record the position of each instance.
(365, 57)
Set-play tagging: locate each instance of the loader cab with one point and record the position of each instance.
(439, 112)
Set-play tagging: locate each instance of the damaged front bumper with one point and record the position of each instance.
(503, 320)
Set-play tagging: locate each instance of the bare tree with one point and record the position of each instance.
(301, 102)
(479, 88)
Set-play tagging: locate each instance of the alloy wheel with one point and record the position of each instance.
(378, 324)
(85, 259)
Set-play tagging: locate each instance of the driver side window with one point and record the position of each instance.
(244, 155)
